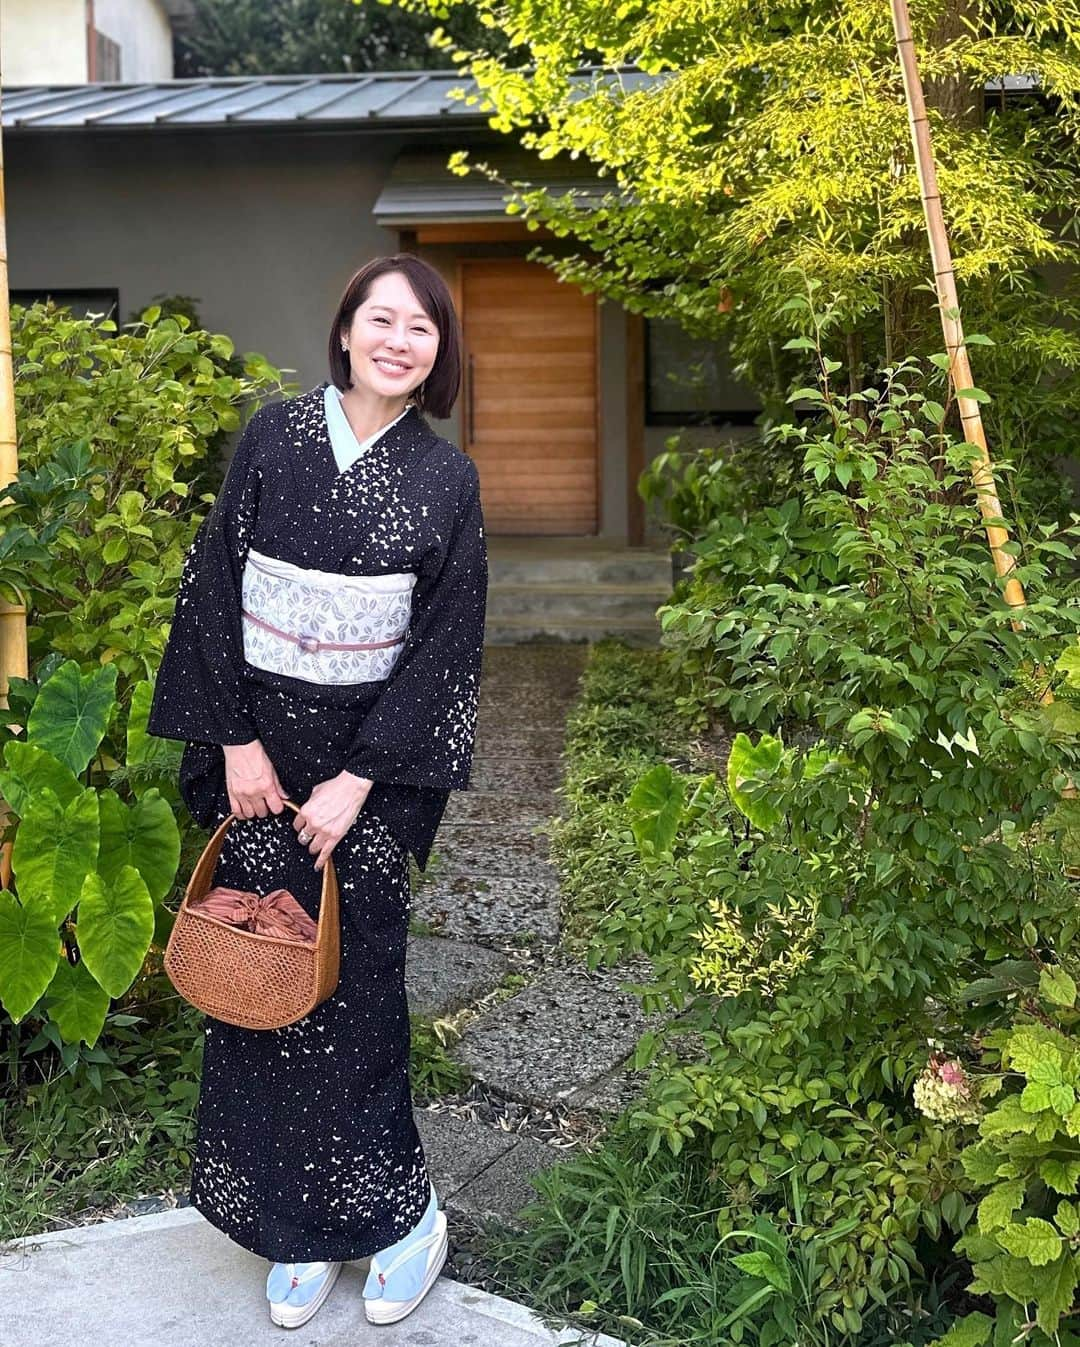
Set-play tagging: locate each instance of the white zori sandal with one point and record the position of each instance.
(401, 1276)
(296, 1290)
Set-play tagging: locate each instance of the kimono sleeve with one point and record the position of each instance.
(420, 732)
(199, 693)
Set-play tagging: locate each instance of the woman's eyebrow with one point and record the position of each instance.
(386, 308)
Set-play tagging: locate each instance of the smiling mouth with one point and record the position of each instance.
(392, 366)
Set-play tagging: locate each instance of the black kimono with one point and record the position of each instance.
(307, 1148)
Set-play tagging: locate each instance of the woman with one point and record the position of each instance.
(326, 648)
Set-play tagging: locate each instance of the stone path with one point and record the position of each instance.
(546, 1054)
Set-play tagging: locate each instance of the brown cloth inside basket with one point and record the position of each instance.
(276, 913)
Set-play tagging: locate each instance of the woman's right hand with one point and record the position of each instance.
(251, 781)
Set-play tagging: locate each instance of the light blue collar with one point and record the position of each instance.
(347, 448)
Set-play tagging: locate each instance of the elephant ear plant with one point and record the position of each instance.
(90, 870)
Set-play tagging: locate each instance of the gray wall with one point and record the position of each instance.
(263, 229)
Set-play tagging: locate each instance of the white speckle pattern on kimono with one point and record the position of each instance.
(307, 1149)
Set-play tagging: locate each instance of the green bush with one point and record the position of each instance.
(118, 435)
(886, 822)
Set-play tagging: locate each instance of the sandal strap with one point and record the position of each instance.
(312, 1271)
(425, 1242)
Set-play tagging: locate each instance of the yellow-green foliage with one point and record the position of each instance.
(774, 135)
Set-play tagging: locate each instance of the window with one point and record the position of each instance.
(106, 58)
(82, 303)
(688, 380)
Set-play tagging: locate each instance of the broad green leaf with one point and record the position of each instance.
(1035, 1097)
(973, 1330)
(1057, 1286)
(115, 926)
(656, 806)
(748, 762)
(143, 835)
(1069, 665)
(1057, 986)
(1019, 1279)
(29, 769)
(1035, 1240)
(76, 1003)
(980, 1163)
(72, 713)
(822, 759)
(55, 848)
(1033, 1057)
(758, 1263)
(997, 1207)
(29, 949)
(1060, 1175)
(143, 748)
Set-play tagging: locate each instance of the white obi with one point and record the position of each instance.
(294, 617)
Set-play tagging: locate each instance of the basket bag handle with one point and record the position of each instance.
(203, 873)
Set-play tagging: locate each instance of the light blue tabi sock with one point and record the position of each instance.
(405, 1281)
(279, 1288)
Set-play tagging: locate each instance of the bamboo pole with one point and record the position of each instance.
(948, 302)
(14, 660)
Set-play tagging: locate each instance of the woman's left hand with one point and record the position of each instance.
(329, 812)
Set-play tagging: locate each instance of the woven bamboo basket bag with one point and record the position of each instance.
(251, 980)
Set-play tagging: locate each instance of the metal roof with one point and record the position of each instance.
(420, 188)
(300, 101)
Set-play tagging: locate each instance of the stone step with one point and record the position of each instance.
(542, 627)
(521, 708)
(498, 741)
(599, 566)
(556, 599)
(560, 1039)
(535, 777)
(495, 806)
(479, 1170)
(442, 976)
(489, 911)
(493, 849)
(538, 662)
(561, 692)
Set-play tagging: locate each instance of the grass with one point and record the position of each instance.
(113, 1123)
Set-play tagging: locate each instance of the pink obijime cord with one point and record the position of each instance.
(312, 645)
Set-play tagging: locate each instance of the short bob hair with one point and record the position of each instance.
(439, 391)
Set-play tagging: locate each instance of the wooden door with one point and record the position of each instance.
(530, 405)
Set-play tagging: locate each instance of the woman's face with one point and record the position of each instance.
(392, 342)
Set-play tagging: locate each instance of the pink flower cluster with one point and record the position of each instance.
(944, 1092)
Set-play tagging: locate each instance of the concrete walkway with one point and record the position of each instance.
(172, 1280)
